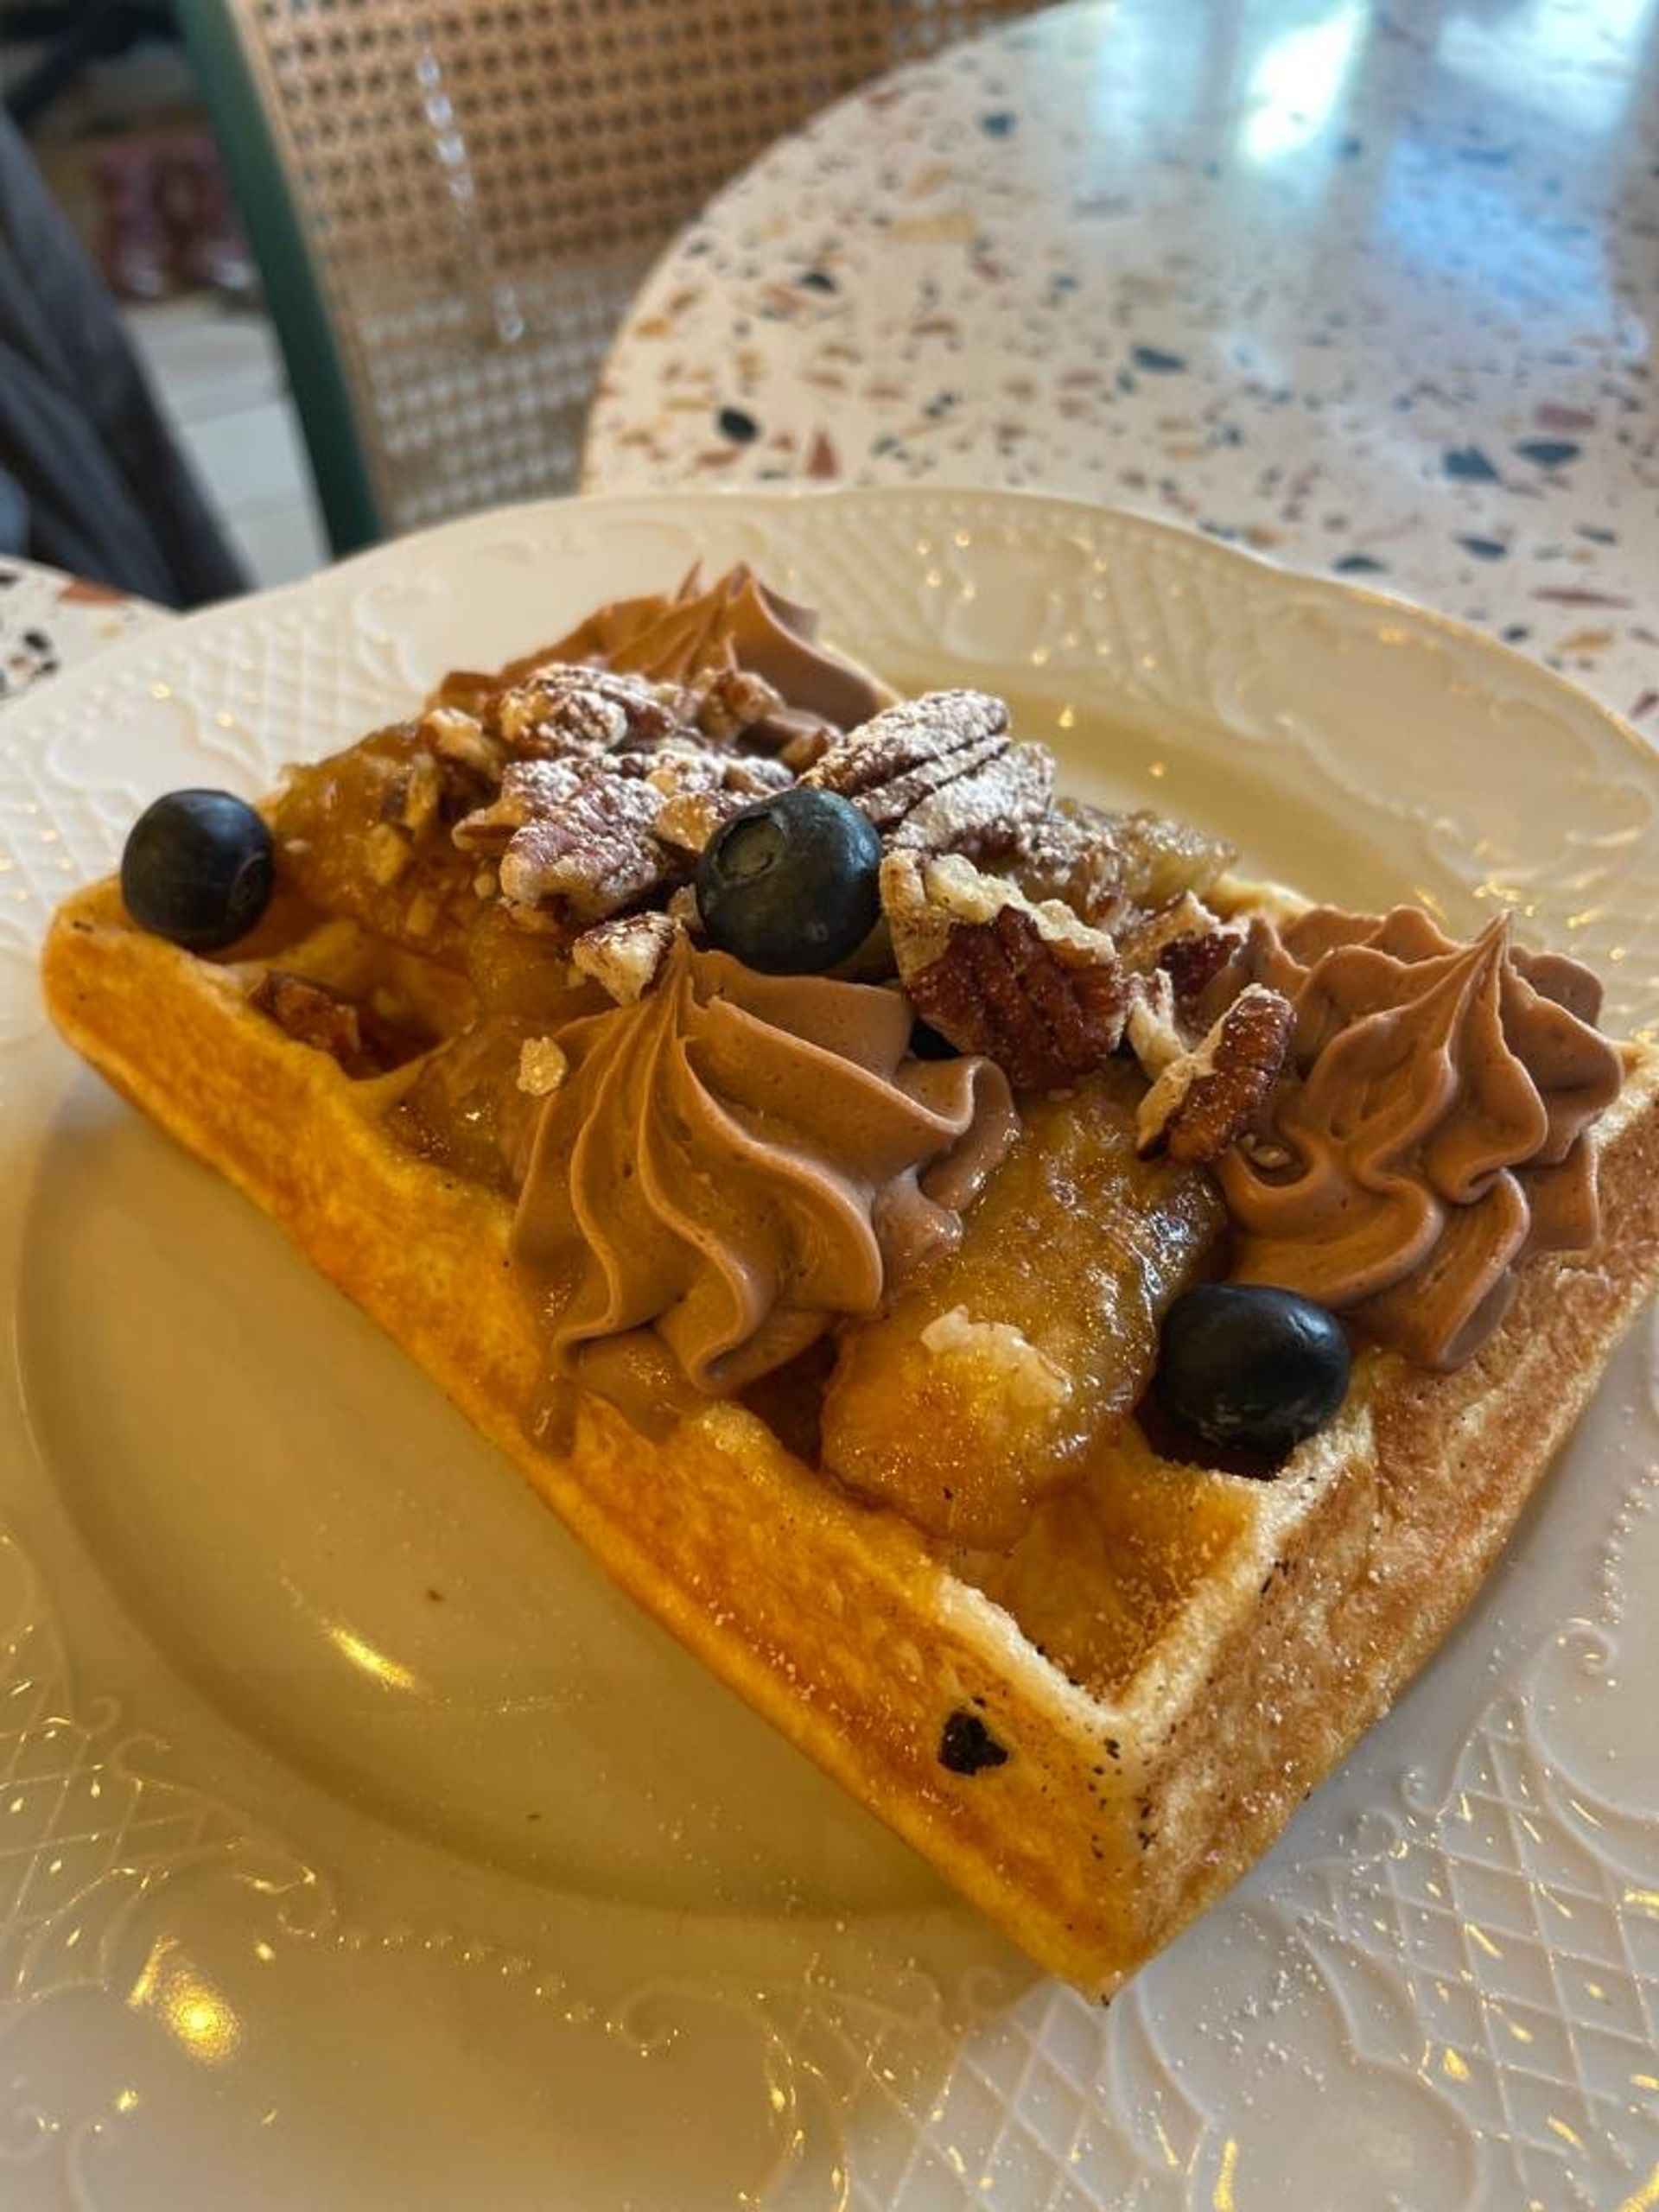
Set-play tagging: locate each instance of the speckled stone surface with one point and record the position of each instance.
(1372, 290)
(50, 622)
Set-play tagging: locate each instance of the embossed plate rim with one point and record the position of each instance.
(813, 2043)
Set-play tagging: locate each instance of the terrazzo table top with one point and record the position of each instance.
(1372, 290)
(49, 622)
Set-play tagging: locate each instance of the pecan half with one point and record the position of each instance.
(566, 708)
(1205, 1099)
(940, 774)
(1031, 987)
(591, 855)
(1193, 963)
(529, 789)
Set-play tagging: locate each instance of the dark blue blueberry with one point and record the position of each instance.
(198, 869)
(999, 123)
(1156, 362)
(1485, 549)
(1357, 564)
(731, 422)
(1250, 1368)
(820, 280)
(790, 885)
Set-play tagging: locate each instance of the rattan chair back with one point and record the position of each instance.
(454, 200)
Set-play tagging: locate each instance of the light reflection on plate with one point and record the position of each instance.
(359, 1846)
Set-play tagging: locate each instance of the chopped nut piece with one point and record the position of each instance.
(1032, 1383)
(755, 776)
(729, 700)
(387, 852)
(312, 1014)
(462, 738)
(1144, 938)
(682, 907)
(802, 741)
(410, 799)
(1205, 1100)
(422, 918)
(542, 1066)
(1152, 1031)
(1193, 964)
(689, 820)
(626, 956)
(1031, 987)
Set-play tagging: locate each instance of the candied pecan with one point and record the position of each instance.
(1150, 1031)
(1193, 963)
(529, 789)
(1161, 858)
(1204, 1100)
(628, 954)
(701, 792)
(461, 739)
(1031, 987)
(591, 855)
(1183, 940)
(1069, 854)
(312, 1014)
(726, 703)
(565, 708)
(940, 774)
(543, 1067)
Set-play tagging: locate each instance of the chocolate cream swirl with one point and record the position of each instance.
(1430, 1132)
(736, 622)
(738, 1159)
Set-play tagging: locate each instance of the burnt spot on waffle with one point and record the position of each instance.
(967, 1745)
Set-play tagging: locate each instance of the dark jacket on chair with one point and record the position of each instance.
(89, 479)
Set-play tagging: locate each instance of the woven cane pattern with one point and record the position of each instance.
(483, 183)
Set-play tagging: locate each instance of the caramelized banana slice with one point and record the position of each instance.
(985, 1383)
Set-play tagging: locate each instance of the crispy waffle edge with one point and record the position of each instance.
(1107, 1826)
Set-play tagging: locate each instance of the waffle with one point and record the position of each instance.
(1091, 1734)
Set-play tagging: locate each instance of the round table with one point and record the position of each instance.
(50, 622)
(1366, 287)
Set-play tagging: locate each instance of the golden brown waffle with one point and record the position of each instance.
(1097, 1733)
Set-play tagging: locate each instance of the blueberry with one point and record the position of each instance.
(1252, 1366)
(197, 869)
(789, 885)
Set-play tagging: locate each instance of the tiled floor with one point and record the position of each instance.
(218, 376)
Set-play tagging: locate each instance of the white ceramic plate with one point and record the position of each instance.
(359, 1847)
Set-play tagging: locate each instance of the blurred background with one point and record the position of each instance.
(390, 302)
(105, 99)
